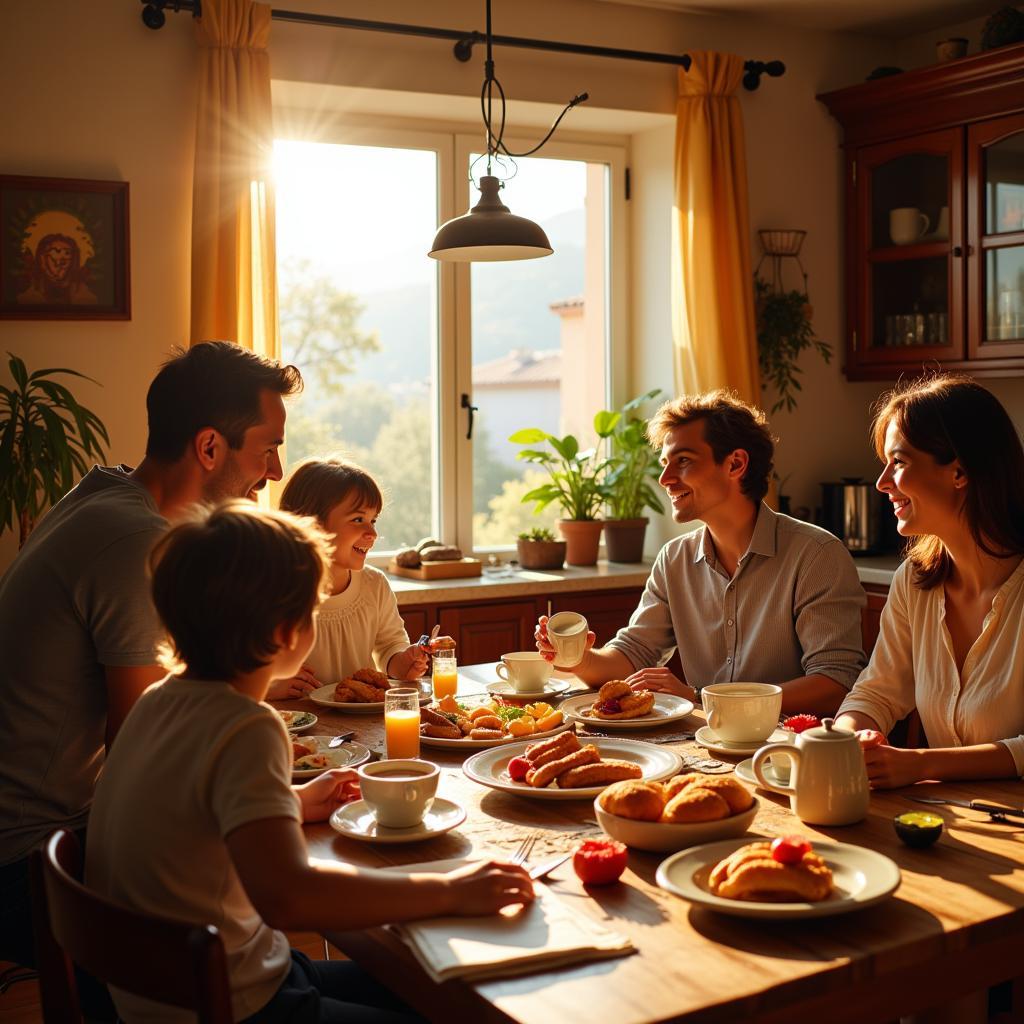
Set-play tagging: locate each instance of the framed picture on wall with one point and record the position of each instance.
(64, 249)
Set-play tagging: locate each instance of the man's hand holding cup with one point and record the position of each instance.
(568, 640)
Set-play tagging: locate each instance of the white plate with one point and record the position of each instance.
(467, 744)
(325, 696)
(667, 708)
(552, 688)
(356, 821)
(707, 737)
(348, 755)
(489, 767)
(861, 877)
(297, 721)
(745, 771)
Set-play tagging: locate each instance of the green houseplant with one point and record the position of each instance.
(576, 484)
(46, 436)
(538, 549)
(784, 331)
(631, 483)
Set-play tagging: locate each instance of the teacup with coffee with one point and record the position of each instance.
(742, 712)
(524, 671)
(567, 633)
(398, 792)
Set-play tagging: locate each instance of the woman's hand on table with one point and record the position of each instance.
(888, 767)
(408, 664)
(486, 887)
(301, 685)
(322, 796)
(540, 636)
(661, 680)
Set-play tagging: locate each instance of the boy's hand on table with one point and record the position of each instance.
(302, 684)
(408, 664)
(322, 796)
(486, 887)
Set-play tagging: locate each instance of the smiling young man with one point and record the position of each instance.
(752, 596)
(78, 629)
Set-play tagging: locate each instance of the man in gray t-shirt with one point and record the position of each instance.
(751, 596)
(78, 633)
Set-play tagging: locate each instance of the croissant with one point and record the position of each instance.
(617, 700)
(750, 873)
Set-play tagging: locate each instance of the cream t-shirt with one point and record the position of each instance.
(193, 761)
(913, 666)
(358, 628)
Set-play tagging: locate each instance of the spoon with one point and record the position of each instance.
(337, 741)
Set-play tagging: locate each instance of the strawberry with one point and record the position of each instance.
(798, 723)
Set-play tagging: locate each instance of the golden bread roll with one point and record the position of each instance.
(542, 776)
(679, 782)
(750, 873)
(634, 798)
(734, 793)
(598, 773)
(695, 804)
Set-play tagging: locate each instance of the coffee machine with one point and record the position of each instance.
(859, 515)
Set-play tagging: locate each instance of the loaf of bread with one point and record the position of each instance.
(440, 553)
(407, 558)
(427, 542)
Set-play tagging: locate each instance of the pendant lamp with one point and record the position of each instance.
(490, 232)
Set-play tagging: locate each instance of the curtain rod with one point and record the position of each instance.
(153, 15)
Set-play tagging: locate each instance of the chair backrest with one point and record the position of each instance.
(154, 957)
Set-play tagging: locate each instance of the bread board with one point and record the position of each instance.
(455, 569)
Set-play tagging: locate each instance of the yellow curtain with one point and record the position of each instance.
(234, 282)
(712, 285)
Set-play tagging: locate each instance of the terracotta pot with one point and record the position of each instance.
(583, 539)
(624, 539)
(541, 554)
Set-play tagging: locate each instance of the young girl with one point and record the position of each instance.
(950, 642)
(195, 817)
(359, 622)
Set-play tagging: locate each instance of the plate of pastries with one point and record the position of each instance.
(297, 721)
(311, 756)
(476, 723)
(618, 706)
(786, 877)
(361, 691)
(678, 812)
(564, 768)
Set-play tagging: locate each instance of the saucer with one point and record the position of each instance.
(745, 771)
(552, 688)
(707, 737)
(356, 821)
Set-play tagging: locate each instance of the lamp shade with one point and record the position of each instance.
(489, 232)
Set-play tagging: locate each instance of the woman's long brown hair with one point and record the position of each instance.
(951, 417)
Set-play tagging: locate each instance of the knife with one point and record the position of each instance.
(997, 812)
(545, 868)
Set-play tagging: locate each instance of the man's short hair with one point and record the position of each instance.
(227, 577)
(729, 423)
(213, 384)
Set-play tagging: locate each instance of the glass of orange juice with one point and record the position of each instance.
(445, 675)
(402, 722)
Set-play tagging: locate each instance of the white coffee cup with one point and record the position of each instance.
(782, 764)
(742, 712)
(399, 791)
(524, 671)
(567, 633)
(907, 224)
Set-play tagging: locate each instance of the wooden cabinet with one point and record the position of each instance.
(871, 615)
(935, 218)
(418, 620)
(484, 632)
(606, 612)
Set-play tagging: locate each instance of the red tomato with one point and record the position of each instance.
(517, 768)
(599, 861)
(790, 849)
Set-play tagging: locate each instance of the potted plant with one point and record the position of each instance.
(538, 549)
(576, 484)
(783, 331)
(45, 438)
(631, 482)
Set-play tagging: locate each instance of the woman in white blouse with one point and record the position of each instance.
(951, 641)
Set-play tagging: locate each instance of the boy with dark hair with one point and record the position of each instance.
(223, 843)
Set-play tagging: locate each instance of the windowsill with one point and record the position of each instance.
(522, 583)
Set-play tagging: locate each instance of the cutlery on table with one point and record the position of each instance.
(336, 741)
(995, 811)
(545, 867)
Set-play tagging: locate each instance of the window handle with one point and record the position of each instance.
(470, 408)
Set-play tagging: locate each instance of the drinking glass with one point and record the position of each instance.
(402, 722)
(445, 675)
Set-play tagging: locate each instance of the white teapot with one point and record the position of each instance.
(829, 783)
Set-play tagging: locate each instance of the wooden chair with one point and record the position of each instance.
(154, 957)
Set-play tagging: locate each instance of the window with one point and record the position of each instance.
(389, 341)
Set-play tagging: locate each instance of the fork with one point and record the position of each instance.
(524, 849)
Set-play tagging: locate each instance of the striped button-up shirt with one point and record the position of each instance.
(791, 609)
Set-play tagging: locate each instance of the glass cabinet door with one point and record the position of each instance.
(910, 192)
(996, 229)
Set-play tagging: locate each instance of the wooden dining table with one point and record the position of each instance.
(955, 924)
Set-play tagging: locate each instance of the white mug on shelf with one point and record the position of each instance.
(942, 225)
(907, 224)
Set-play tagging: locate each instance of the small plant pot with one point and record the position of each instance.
(583, 540)
(624, 539)
(541, 554)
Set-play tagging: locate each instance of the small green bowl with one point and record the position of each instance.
(918, 828)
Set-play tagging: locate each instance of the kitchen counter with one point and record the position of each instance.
(878, 569)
